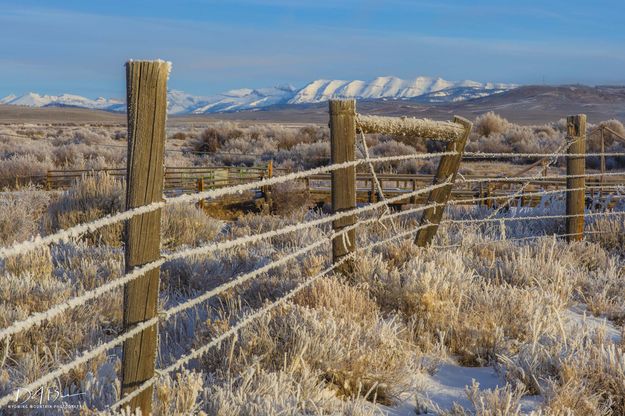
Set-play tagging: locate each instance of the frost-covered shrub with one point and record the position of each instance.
(289, 197)
(20, 214)
(351, 357)
(490, 123)
(91, 198)
(21, 170)
(179, 394)
(187, 225)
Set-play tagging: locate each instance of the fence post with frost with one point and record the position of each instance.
(343, 149)
(447, 171)
(147, 106)
(575, 200)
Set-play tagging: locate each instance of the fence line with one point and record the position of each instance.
(142, 383)
(535, 217)
(40, 317)
(77, 230)
(196, 353)
(485, 155)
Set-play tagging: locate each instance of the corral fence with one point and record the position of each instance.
(180, 179)
(146, 86)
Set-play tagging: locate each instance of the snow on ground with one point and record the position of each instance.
(578, 315)
(447, 386)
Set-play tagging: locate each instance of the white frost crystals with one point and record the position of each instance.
(412, 127)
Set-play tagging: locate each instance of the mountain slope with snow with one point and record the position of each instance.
(393, 88)
(421, 89)
(66, 100)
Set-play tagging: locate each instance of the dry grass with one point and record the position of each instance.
(342, 346)
(41, 147)
(93, 197)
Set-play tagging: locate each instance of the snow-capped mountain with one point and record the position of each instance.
(389, 88)
(66, 100)
(244, 99)
(422, 89)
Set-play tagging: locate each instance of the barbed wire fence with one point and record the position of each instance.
(137, 391)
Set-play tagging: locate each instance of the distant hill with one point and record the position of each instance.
(425, 89)
(525, 105)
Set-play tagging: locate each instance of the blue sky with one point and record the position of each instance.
(80, 46)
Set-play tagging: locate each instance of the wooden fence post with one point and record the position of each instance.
(447, 169)
(267, 189)
(575, 200)
(414, 198)
(372, 191)
(200, 189)
(343, 149)
(147, 106)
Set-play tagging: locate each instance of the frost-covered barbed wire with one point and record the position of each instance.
(75, 231)
(552, 159)
(40, 317)
(538, 179)
(486, 155)
(474, 200)
(531, 237)
(84, 358)
(376, 181)
(447, 131)
(533, 218)
(199, 352)
(249, 239)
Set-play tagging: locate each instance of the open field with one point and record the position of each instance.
(496, 317)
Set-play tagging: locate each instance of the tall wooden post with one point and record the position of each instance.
(147, 106)
(575, 203)
(447, 169)
(343, 149)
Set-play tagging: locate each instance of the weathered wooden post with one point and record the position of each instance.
(414, 197)
(268, 190)
(372, 192)
(343, 149)
(447, 170)
(575, 203)
(147, 106)
(200, 189)
(488, 193)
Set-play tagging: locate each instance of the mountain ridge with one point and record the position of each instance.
(425, 89)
